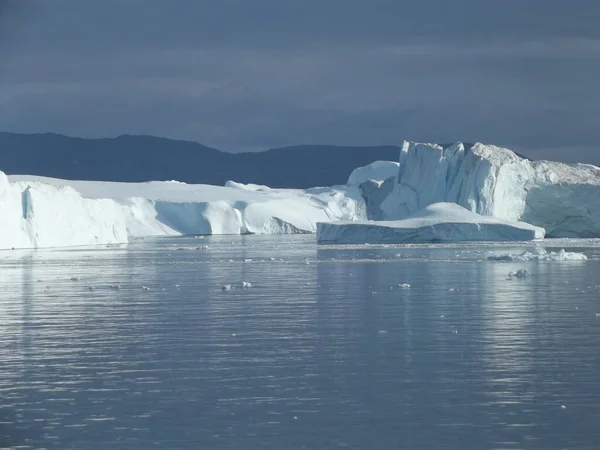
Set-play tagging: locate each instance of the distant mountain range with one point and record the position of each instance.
(145, 158)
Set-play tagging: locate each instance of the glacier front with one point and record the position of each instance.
(438, 222)
(493, 181)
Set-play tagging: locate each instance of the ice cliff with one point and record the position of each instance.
(493, 181)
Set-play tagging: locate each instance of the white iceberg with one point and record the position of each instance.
(47, 212)
(439, 222)
(540, 254)
(494, 181)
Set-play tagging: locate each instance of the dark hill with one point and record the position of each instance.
(144, 158)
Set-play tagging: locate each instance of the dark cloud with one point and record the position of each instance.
(248, 75)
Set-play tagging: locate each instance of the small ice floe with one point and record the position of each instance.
(374, 292)
(145, 288)
(382, 331)
(454, 331)
(177, 286)
(273, 259)
(453, 290)
(226, 287)
(563, 407)
(442, 316)
(75, 278)
(404, 286)
(307, 261)
(540, 254)
(246, 284)
(114, 287)
(521, 273)
(199, 237)
(248, 260)
(597, 314)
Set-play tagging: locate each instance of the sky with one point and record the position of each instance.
(247, 75)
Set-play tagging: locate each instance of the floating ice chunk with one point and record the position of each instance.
(453, 290)
(226, 287)
(382, 332)
(115, 287)
(404, 286)
(540, 254)
(202, 247)
(246, 284)
(521, 273)
(439, 222)
(145, 288)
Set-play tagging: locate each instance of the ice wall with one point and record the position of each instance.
(494, 181)
(44, 212)
(36, 215)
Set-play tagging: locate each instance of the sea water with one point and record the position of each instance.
(142, 347)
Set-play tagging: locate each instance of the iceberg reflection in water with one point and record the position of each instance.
(324, 350)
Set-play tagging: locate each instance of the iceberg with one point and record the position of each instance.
(36, 215)
(438, 222)
(493, 181)
(48, 212)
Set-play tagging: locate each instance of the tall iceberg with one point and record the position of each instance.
(493, 181)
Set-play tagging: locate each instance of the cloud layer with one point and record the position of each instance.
(249, 75)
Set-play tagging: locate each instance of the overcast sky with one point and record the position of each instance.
(252, 74)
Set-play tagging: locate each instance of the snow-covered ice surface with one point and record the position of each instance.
(377, 171)
(42, 212)
(562, 198)
(438, 222)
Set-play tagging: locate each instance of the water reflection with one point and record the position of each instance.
(325, 350)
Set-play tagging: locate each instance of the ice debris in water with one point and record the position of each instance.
(404, 286)
(521, 273)
(246, 284)
(540, 254)
(202, 247)
(115, 287)
(226, 287)
(145, 288)
(452, 290)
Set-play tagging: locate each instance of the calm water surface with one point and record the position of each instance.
(324, 351)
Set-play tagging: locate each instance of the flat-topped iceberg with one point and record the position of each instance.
(494, 181)
(439, 222)
(46, 212)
